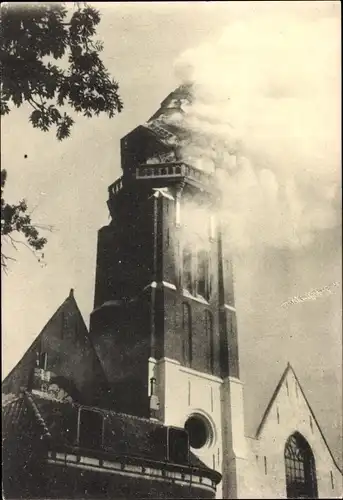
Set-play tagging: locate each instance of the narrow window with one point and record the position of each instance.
(187, 341)
(332, 483)
(202, 284)
(43, 360)
(287, 388)
(277, 415)
(265, 465)
(167, 223)
(210, 339)
(178, 209)
(311, 423)
(187, 269)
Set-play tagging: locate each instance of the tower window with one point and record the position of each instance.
(187, 334)
(210, 339)
(301, 479)
(177, 209)
(202, 281)
(187, 269)
(196, 268)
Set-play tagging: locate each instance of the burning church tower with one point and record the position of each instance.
(164, 317)
(162, 354)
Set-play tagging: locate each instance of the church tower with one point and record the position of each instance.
(164, 318)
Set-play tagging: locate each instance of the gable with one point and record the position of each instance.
(288, 412)
(69, 356)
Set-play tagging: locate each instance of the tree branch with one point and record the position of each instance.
(4, 259)
(14, 242)
(33, 103)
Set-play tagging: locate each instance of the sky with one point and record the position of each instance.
(66, 184)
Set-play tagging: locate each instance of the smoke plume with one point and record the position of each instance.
(265, 119)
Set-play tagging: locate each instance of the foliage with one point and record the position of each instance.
(15, 219)
(33, 39)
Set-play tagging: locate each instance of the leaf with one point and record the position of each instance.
(35, 117)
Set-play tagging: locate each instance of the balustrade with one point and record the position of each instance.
(164, 170)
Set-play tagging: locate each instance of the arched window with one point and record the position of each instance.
(187, 344)
(301, 479)
(210, 339)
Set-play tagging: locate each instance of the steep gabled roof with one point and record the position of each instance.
(289, 369)
(70, 300)
(56, 313)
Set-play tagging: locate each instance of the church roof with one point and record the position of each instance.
(123, 436)
(165, 124)
(175, 100)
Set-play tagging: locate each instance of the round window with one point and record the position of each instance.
(198, 431)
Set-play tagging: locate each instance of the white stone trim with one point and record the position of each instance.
(234, 380)
(207, 376)
(168, 360)
(190, 371)
(89, 460)
(230, 308)
(169, 285)
(164, 191)
(153, 284)
(129, 470)
(198, 298)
